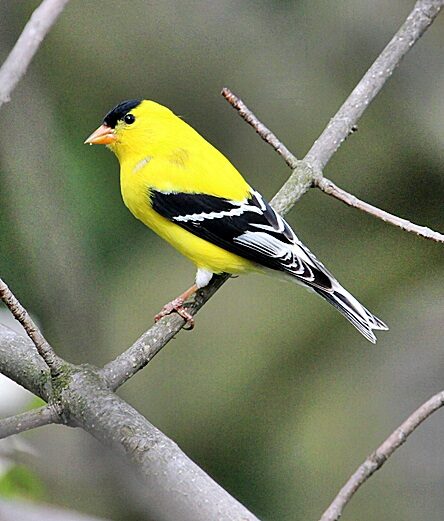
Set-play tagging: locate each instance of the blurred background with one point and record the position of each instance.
(274, 393)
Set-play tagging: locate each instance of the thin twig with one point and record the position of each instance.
(264, 132)
(380, 456)
(304, 170)
(21, 315)
(28, 420)
(422, 231)
(304, 175)
(15, 65)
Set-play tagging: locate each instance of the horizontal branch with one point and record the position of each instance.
(28, 420)
(21, 315)
(380, 456)
(16, 64)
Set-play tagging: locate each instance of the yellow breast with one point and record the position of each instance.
(136, 182)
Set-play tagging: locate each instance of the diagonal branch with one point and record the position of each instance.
(28, 420)
(380, 456)
(15, 65)
(423, 14)
(306, 172)
(21, 315)
(330, 188)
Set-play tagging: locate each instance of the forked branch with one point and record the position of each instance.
(307, 174)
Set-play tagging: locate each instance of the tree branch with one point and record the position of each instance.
(305, 173)
(146, 347)
(20, 361)
(422, 231)
(15, 65)
(380, 456)
(21, 315)
(175, 485)
(422, 15)
(28, 420)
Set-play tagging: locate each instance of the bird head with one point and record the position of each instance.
(132, 126)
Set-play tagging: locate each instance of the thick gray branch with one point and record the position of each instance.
(178, 488)
(20, 361)
(380, 456)
(21, 315)
(15, 65)
(28, 420)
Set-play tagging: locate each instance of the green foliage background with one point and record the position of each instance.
(274, 393)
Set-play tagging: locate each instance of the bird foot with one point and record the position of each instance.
(177, 306)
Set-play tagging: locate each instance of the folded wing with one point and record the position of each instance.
(249, 228)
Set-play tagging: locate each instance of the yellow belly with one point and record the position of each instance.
(204, 254)
(201, 252)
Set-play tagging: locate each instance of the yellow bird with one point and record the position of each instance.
(184, 189)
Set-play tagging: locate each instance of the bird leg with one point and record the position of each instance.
(177, 305)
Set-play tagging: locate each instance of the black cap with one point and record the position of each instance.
(119, 111)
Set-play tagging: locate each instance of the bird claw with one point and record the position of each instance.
(177, 306)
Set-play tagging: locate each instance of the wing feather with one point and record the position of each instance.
(249, 228)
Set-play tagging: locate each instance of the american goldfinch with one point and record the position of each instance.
(185, 190)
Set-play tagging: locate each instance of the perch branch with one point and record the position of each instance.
(28, 420)
(21, 315)
(304, 169)
(380, 456)
(305, 173)
(15, 65)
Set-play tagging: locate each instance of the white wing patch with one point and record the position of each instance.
(240, 207)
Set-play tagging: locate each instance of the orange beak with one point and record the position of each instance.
(104, 135)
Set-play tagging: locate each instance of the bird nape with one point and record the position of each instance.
(186, 191)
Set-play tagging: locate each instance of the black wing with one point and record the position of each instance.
(248, 228)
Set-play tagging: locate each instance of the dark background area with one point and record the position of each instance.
(274, 393)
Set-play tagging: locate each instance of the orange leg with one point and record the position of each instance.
(177, 306)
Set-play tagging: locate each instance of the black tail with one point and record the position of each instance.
(354, 311)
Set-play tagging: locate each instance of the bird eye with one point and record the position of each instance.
(129, 119)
